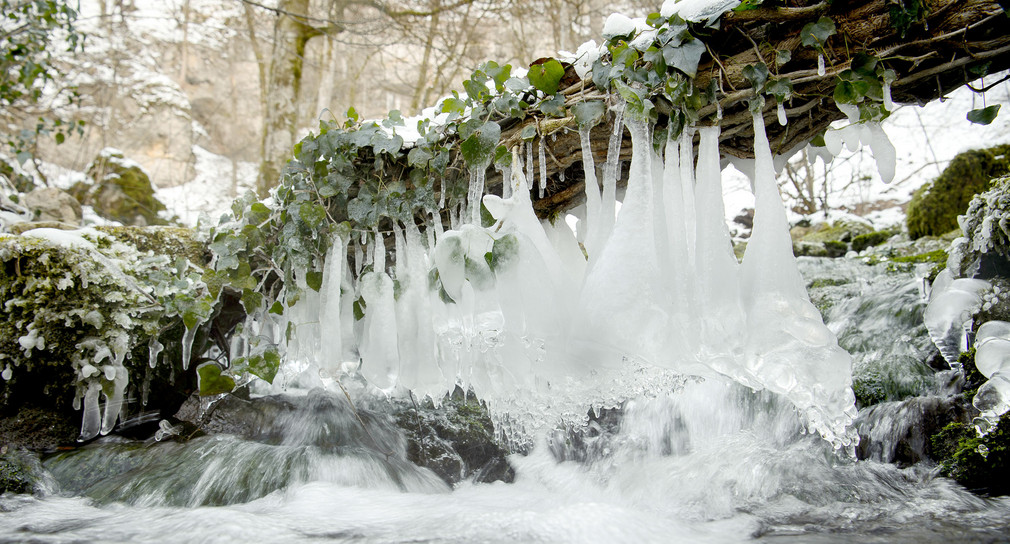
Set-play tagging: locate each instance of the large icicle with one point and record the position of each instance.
(716, 265)
(687, 186)
(789, 349)
(330, 329)
(680, 275)
(380, 359)
(610, 175)
(619, 309)
(593, 198)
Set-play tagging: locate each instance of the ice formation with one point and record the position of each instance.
(519, 306)
(992, 358)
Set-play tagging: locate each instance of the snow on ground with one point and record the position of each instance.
(216, 183)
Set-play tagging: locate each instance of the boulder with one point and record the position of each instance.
(51, 204)
(119, 190)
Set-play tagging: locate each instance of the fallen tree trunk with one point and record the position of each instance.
(943, 50)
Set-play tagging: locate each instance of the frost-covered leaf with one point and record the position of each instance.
(546, 76)
(553, 107)
(685, 57)
(782, 56)
(589, 114)
(502, 157)
(211, 380)
(504, 252)
(478, 148)
(984, 116)
(756, 74)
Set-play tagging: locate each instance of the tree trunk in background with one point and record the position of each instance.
(283, 87)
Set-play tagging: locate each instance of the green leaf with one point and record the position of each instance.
(547, 76)
(757, 74)
(685, 57)
(816, 34)
(984, 116)
(783, 56)
(504, 252)
(502, 157)
(313, 214)
(419, 157)
(846, 93)
(478, 148)
(781, 89)
(529, 132)
(589, 114)
(277, 308)
(262, 366)
(314, 280)
(211, 381)
(251, 301)
(864, 65)
(359, 309)
(553, 107)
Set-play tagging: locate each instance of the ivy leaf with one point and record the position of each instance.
(262, 366)
(502, 157)
(554, 107)
(211, 381)
(359, 309)
(816, 34)
(314, 280)
(845, 93)
(780, 88)
(757, 74)
(783, 56)
(419, 157)
(277, 308)
(984, 116)
(478, 148)
(546, 76)
(529, 132)
(313, 214)
(251, 301)
(504, 252)
(589, 114)
(864, 65)
(685, 57)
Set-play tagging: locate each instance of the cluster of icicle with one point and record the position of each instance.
(660, 285)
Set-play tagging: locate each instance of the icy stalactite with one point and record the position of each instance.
(593, 198)
(542, 161)
(528, 173)
(716, 267)
(781, 111)
(380, 360)
(154, 349)
(114, 397)
(188, 338)
(888, 102)
(621, 306)
(687, 186)
(789, 349)
(441, 194)
(610, 174)
(91, 421)
(330, 329)
(415, 333)
(821, 71)
(475, 192)
(950, 311)
(883, 152)
(679, 271)
(506, 183)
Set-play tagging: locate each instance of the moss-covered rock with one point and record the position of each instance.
(20, 472)
(935, 206)
(982, 464)
(81, 310)
(119, 190)
(870, 239)
(21, 181)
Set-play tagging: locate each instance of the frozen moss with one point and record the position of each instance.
(119, 190)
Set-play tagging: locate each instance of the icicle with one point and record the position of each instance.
(687, 186)
(782, 114)
(474, 194)
(610, 173)
(436, 230)
(379, 353)
(114, 403)
(593, 199)
(820, 65)
(543, 167)
(378, 251)
(154, 348)
(145, 387)
(330, 330)
(883, 152)
(359, 259)
(441, 193)
(91, 421)
(888, 103)
(506, 181)
(529, 163)
(187, 344)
